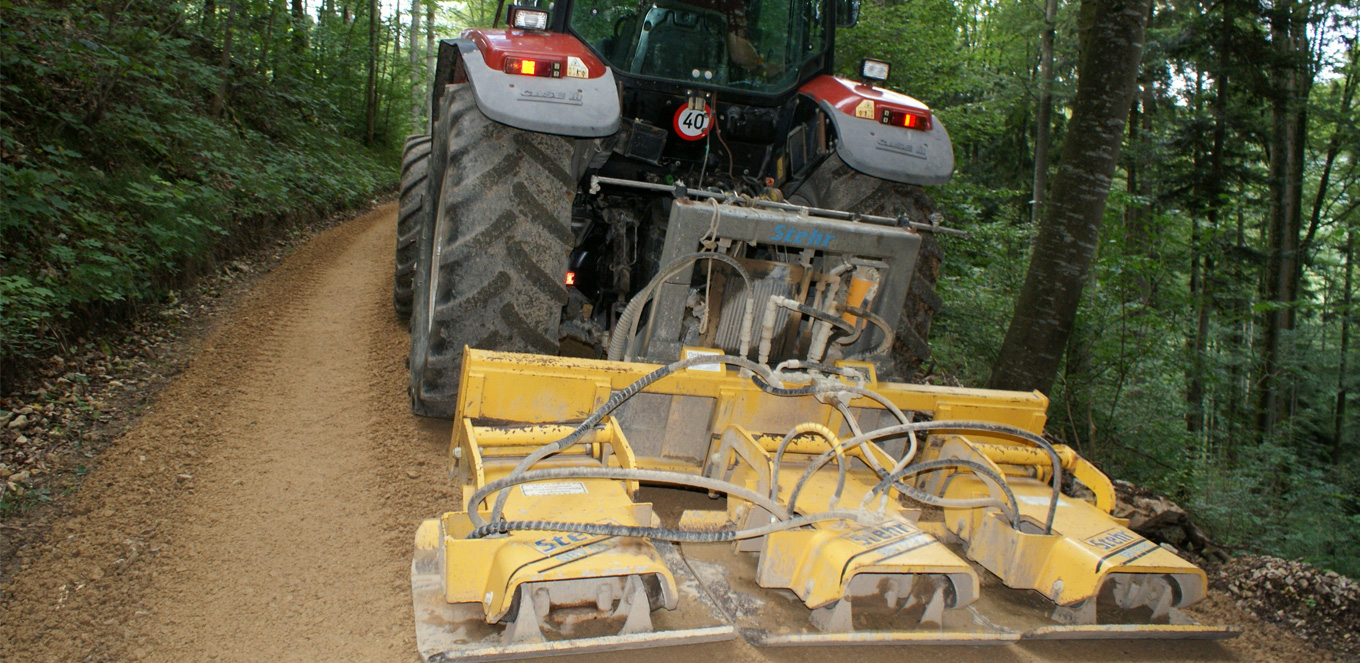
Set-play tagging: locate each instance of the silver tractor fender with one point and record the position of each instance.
(580, 107)
(869, 142)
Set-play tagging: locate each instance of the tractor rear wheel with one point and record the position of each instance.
(835, 185)
(491, 267)
(415, 165)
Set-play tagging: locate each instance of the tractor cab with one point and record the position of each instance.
(758, 46)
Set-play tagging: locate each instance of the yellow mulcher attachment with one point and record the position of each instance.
(844, 511)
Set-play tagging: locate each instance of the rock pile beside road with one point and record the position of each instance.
(1322, 606)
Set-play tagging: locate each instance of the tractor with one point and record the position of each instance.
(503, 245)
(669, 274)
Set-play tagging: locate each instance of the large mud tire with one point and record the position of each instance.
(838, 186)
(491, 267)
(415, 167)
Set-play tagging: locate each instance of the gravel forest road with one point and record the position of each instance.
(263, 509)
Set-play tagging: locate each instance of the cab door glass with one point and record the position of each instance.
(745, 44)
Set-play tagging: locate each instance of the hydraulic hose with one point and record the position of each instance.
(653, 476)
(603, 411)
(980, 426)
(852, 422)
(831, 439)
(767, 327)
(978, 468)
(796, 364)
(888, 335)
(855, 431)
(809, 390)
(621, 344)
(660, 533)
(813, 390)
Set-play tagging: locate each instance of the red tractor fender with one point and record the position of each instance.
(537, 81)
(882, 133)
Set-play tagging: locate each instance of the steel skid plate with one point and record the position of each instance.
(1001, 615)
(777, 617)
(1030, 616)
(458, 631)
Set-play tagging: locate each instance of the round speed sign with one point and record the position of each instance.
(693, 124)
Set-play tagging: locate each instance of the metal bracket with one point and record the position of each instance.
(690, 221)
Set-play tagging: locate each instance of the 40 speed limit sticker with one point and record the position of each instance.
(693, 124)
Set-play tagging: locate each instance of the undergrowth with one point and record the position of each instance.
(124, 175)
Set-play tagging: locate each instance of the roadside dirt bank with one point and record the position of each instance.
(263, 508)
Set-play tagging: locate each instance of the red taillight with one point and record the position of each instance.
(910, 119)
(530, 67)
(571, 278)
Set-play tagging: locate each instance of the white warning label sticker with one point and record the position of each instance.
(554, 488)
(699, 352)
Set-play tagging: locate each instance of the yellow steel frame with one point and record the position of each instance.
(1087, 545)
(510, 404)
(502, 386)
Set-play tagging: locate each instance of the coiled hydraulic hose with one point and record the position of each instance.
(850, 420)
(813, 390)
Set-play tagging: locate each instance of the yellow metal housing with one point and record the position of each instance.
(854, 548)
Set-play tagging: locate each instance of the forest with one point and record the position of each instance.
(1211, 352)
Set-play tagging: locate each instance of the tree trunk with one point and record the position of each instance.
(299, 27)
(1289, 128)
(220, 100)
(1061, 259)
(1339, 129)
(1201, 263)
(386, 73)
(1242, 334)
(371, 107)
(1342, 379)
(431, 54)
(1043, 121)
(1200, 267)
(262, 65)
(417, 71)
(1138, 215)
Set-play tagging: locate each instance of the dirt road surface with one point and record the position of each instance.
(263, 510)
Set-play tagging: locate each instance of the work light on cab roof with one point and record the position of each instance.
(527, 18)
(874, 70)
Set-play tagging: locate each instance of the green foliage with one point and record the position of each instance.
(1183, 248)
(119, 180)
